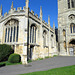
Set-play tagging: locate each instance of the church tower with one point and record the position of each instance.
(66, 27)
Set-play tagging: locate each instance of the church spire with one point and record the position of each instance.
(49, 20)
(12, 5)
(41, 13)
(1, 10)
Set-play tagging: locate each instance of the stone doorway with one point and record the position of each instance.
(72, 48)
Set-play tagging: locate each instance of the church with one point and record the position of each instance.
(66, 27)
(29, 35)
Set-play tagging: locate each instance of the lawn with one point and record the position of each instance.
(69, 70)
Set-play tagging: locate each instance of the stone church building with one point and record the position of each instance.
(29, 35)
(66, 27)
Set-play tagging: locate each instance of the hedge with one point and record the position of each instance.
(14, 58)
(2, 64)
(5, 51)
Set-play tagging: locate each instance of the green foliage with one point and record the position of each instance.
(14, 58)
(70, 70)
(40, 59)
(47, 57)
(8, 63)
(2, 64)
(5, 51)
(29, 61)
(55, 55)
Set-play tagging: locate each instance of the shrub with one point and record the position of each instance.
(47, 57)
(14, 58)
(55, 55)
(5, 51)
(2, 64)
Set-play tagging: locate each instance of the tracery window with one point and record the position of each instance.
(11, 31)
(72, 28)
(33, 34)
(71, 4)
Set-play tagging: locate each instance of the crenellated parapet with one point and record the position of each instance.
(24, 11)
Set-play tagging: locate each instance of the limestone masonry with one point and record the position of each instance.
(33, 38)
(66, 27)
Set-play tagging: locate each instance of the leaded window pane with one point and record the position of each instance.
(17, 33)
(14, 34)
(68, 4)
(6, 35)
(11, 34)
(72, 2)
(71, 29)
(33, 34)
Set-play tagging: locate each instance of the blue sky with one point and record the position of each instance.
(49, 7)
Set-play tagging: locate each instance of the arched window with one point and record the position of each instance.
(44, 37)
(33, 34)
(72, 28)
(11, 31)
(72, 3)
(68, 4)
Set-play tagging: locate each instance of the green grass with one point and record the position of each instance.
(29, 61)
(55, 55)
(47, 57)
(70, 70)
(39, 59)
(8, 63)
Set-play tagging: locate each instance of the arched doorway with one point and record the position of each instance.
(72, 47)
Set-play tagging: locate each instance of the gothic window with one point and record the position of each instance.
(11, 31)
(72, 28)
(72, 3)
(33, 34)
(44, 38)
(68, 4)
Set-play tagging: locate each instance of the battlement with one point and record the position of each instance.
(20, 10)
